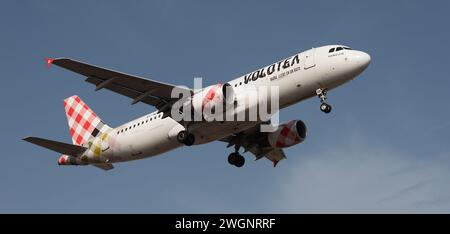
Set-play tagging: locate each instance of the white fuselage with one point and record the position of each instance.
(297, 77)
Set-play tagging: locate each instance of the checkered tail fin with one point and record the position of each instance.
(83, 122)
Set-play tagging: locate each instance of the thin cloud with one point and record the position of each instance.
(360, 178)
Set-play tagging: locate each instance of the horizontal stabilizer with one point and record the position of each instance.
(104, 166)
(60, 147)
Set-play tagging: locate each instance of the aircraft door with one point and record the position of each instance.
(309, 59)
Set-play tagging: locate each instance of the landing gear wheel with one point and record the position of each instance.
(236, 159)
(182, 136)
(240, 161)
(232, 158)
(322, 94)
(190, 140)
(325, 108)
(186, 138)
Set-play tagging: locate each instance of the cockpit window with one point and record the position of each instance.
(339, 49)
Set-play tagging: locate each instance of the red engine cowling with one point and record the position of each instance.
(288, 134)
(211, 97)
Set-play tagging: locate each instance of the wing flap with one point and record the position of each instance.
(125, 91)
(275, 155)
(250, 140)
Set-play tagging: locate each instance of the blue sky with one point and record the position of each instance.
(384, 148)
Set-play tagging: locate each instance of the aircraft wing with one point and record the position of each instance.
(252, 140)
(155, 93)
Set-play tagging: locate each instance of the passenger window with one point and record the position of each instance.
(339, 49)
(331, 50)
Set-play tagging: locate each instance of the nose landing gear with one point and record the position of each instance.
(325, 108)
(322, 94)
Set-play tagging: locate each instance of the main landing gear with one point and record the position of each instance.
(186, 138)
(236, 159)
(322, 94)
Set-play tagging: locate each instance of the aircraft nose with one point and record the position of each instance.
(362, 59)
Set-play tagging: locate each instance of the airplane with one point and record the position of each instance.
(312, 73)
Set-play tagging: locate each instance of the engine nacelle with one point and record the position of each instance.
(213, 97)
(288, 134)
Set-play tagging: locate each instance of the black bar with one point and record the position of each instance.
(208, 223)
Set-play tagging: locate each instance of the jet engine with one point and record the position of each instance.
(208, 100)
(288, 134)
